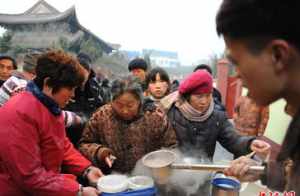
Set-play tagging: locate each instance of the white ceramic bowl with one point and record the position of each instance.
(140, 182)
(112, 184)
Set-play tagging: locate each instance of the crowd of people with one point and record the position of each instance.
(76, 126)
(61, 128)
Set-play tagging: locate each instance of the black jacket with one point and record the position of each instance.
(88, 100)
(201, 137)
(218, 100)
(283, 174)
(1, 82)
(85, 103)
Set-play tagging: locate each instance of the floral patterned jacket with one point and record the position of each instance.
(128, 141)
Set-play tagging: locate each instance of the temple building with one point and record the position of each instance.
(43, 26)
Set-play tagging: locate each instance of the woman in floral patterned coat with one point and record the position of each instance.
(128, 128)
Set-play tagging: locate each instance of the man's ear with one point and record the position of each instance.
(281, 54)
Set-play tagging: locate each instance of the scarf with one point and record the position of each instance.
(185, 108)
(154, 99)
(192, 114)
(50, 104)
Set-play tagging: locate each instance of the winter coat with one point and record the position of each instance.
(217, 95)
(89, 99)
(201, 137)
(1, 82)
(218, 100)
(85, 103)
(250, 118)
(35, 152)
(283, 174)
(129, 141)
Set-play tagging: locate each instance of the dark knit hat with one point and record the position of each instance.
(198, 82)
(138, 63)
(203, 67)
(11, 59)
(85, 61)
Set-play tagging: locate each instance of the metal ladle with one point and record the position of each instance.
(161, 163)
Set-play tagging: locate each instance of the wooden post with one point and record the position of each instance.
(229, 86)
(222, 78)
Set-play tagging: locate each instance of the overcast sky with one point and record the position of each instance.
(185, 26)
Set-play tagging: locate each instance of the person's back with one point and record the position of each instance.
(250, 118)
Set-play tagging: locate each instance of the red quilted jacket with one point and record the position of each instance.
(35, 151)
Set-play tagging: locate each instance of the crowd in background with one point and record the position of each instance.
(58, 95)
(62, 128)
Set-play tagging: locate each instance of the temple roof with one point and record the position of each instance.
(42, 7)
(42, 12)
(35, 18)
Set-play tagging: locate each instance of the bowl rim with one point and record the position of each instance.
(173, 155)
(134, 186)
(113, 188)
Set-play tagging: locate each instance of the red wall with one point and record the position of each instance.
(230, 87)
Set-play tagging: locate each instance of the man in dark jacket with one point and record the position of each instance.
(87, 99)
(262, 38)
(90, 96)
(138, 67)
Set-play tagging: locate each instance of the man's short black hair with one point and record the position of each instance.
(203, 67)
(138, 63)
(151, 76)
(11, 59)
(260, 19)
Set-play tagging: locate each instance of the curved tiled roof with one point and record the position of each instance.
(41, 13)
(13, 19)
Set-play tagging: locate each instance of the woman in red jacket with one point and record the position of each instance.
(36, 158)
